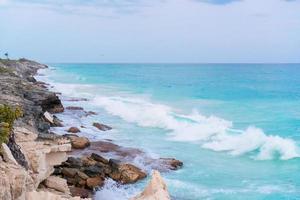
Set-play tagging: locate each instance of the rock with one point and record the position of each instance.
(94, 182)
(87, 161)
(52, 103)
(80, 192)
(73, 162)
(102, 127)
(91, 113)
(73, 130)
(155, 190)
(58, 184)
(171, 163)
(57, 122)
(74, 108)
(46, 195)
(79, 142)
(48, 117)
(82, 175)
(69, 172)
(99, 158)
(7, 155)
(125, 173)
(130, 173)
(93, 171)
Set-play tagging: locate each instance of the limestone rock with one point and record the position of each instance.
(48, 117)
(7, 156)
(155, 190)
(57, 183)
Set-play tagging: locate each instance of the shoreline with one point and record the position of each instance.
(120, 170)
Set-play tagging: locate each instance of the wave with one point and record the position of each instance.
(212, 132)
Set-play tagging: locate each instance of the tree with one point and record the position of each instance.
(6, 54)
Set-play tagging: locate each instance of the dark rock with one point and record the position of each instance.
(73, 162)
(114, 163)
(69, 172)
(94, 182)
(73, 130)
(172, 163)
(80, 192)
(102, 127)
(74, 108)
(99, 158)
(93, 171)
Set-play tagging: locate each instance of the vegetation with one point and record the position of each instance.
(5, 70)
(7, 117)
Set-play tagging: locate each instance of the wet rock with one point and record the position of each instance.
(94, 182)
(74, 108)
(57, 122)
(80, 192)
(73, 130)
(69, 172)
(73, 162)
(93, 171)
(79, 142)
(130, 173)
(171, 163)
(102, 127)
(99, 158)
(87, 161)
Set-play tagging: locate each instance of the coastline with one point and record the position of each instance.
(90, 157)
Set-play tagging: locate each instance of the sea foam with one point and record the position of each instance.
(211, 132)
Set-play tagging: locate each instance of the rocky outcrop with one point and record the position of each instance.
(90, 171)
(28, 160)
(155, 190)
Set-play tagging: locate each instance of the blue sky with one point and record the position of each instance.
(151, 30)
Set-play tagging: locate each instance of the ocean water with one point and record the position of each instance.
(236, 127)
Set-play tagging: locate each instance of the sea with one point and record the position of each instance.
(236, 127)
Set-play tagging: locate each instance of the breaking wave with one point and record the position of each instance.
(212, 132)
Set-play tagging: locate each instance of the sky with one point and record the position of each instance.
(155, 31)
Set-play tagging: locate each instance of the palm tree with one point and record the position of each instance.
(6, 54)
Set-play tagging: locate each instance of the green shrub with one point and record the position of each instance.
(7, 117)
(5, 70)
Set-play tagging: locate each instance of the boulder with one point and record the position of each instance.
(171, 163)
(73, 130)
(80, 192)
(155, 190)
(126, 173)
(79, 142)
(87, 161)
(92, 171)
(48, 117)
(69, 172)
(102, 127)
(57, 183)
(7, 155)
(94, 182)
(99, 158)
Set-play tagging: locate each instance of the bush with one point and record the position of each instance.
(7, 117)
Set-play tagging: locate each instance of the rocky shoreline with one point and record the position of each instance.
(37, 163)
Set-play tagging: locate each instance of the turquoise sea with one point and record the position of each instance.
(236, 127)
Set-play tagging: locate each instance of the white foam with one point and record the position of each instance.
(214, 133)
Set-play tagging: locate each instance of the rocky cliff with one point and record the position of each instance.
(28, 159)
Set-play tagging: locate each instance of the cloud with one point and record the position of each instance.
(218, 2)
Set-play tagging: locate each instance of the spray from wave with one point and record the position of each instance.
(214, 133)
